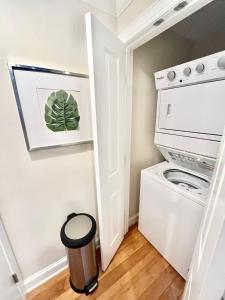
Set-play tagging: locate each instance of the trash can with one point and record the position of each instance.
(77, 235)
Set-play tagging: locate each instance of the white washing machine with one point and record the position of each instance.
(189, 126)
(171, 206)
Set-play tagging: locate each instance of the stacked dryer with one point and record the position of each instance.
(189, 126)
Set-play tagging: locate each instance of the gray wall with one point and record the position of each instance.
(208, 46)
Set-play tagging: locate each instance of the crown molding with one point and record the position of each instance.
(120, 9)
(142, 29)
(110, 11)
(116, 12)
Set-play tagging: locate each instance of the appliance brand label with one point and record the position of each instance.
(160, 78)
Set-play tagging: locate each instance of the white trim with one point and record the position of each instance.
(106, 11)
(5, 246)
(145, 20)
(45, 274)
(128, 122)
(133, 220)
(48, 272)
(120, 9)
(141, 30)
(209, 233)
(117, 12)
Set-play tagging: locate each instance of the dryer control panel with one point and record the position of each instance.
(204, 69)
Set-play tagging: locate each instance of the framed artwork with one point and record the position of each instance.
(54, 106)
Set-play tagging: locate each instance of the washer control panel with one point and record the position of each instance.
(207, 68)
(200, 164)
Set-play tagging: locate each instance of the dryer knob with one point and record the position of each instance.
(187, 71)
(221, 62)
(200, 68)
(171, 75)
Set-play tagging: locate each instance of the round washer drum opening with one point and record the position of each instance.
(185, 179)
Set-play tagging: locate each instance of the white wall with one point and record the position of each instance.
(38, 190)
(164, 51)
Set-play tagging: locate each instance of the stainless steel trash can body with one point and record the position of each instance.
(77, 234)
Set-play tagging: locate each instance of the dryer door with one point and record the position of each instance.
(195, 109)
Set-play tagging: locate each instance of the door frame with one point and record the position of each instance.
(139, 32)
(210, 231)
(11, 260)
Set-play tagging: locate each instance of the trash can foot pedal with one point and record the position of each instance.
(87, 289)
(91, 287)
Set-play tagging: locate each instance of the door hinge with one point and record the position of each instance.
(15, 278)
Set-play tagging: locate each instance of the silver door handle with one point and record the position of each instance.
(168, 112)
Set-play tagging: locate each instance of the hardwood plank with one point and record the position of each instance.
(175, 290)
(52, 288)
(118, 272)
(159, 285)
(127, 249)
(136, 272)
(122, 276)
(132, 285)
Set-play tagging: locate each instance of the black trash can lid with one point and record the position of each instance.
(78, 230)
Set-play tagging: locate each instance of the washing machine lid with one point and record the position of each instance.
(193, 162)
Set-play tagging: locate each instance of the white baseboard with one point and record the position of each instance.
(133, 220)
(50, 271)
(40, 277)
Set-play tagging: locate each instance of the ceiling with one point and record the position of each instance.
(112, 7)
(208, 21)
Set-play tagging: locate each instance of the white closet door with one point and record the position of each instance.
(106, 57)
(206, 278)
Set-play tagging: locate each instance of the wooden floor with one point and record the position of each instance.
(137, 271)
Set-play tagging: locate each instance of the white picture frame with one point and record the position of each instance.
(70, 119)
